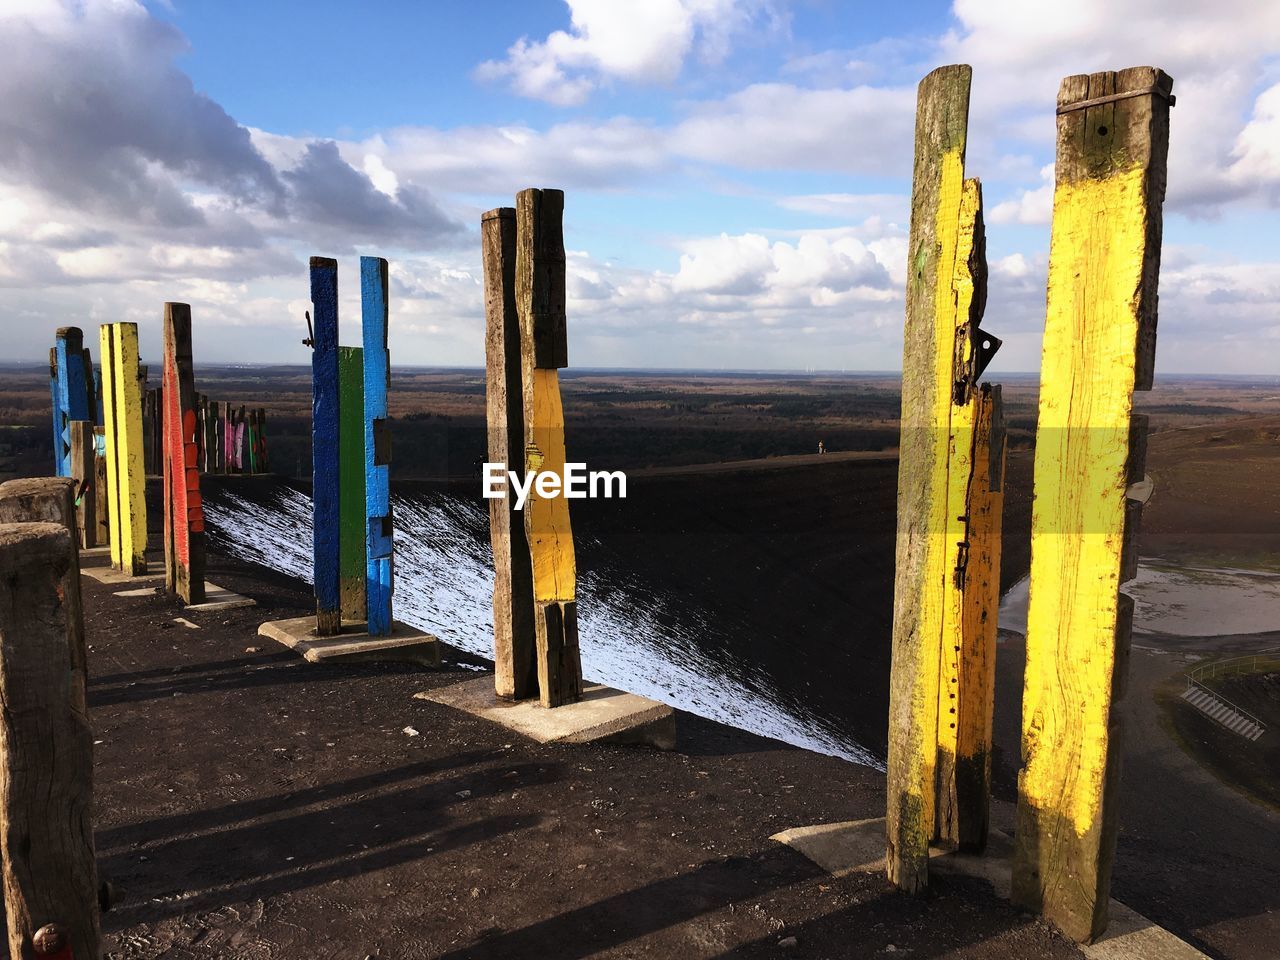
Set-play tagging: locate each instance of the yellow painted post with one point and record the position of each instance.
(942, 358)
(969, 790)
(540, 304)
(1099, 346)
(126, 479)
(107, 345)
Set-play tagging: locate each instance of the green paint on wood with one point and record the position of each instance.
(351, 549)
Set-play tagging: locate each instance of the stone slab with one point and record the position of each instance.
(857, 846)
(602, 715)
(404, 644)
(220, 598)
(139, 592)
(110, 575)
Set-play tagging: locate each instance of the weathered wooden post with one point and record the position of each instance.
(126, 482)
(84, 473)
(1099, 346)
(515, 669)
(264, 460)
(968, 790)
(183, 509)
(540, 303)
(55, 406)
(325, 504)
(353, 523)
(380, 581)
(923, 551)
(228, 437)
(46, 748)
(72, 397)
(101, 500)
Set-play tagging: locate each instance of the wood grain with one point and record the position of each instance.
(380, 540)
(540, 296)
(184, 545)
(325, 505)
(937, 185)
(1098, 348)
(515, 671)
(46, 743)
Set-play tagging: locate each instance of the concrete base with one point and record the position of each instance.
(94, 553)
(405, 644)
(110, 575)
(602, 715)
(220, 598)
(215, 597)
(857, 846)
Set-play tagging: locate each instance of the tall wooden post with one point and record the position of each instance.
(925, 558)
(126, 482)
(183, 510)
(540, 303)
(101, 499)
(84, 473)
(46, 747)
(264, 460)
(325, 504)
(90, 385)
(55, 407)
(73, 400)
(352, 534)
(967, 791)
(226, 436)
(380, 581)
(515, 669)
(1099, 346)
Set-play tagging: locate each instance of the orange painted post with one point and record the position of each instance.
(183, 509)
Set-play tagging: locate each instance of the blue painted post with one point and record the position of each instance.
(377, 444)
(324, 444)
(55, 406)
(73, 398)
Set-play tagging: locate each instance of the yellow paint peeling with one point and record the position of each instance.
(1086, 390)
(547, 518)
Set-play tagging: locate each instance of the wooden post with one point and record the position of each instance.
(380, 580)
(352, 549)
(183, 510)
(226, 437)
(126, 483)
(324, 445)
(264, 460)
(540, 303)
(46, 745)
(84, 473)
(90, 385)
(515, 668)
(1099, 346)
(924, 557)
(55, 407)
(101, 503)
(73, 401)
(968, 790)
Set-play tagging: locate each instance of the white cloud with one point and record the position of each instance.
(645, 43)
(1030, 206)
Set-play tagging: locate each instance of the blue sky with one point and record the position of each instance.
(736, 171)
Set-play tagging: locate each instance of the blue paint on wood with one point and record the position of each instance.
(72, 401)
(377, 444)
(55, 406)
(324, 437)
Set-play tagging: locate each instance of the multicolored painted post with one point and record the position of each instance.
(380, 580)
(126, 480)
(83, 472)
(540, 302)
(1099, 347)
(353, 523)
(183, 511)
(72, 397)
(325, 505)
(514, 642)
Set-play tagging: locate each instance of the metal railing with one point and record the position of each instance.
(1234, 666)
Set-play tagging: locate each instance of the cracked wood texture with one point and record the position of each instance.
(540, 305)
(325, 504)
(1099, 346)
(515, 669)
(183, 508)
(122, 421)
(352, 548)
(380, 539)
(46, 743)
(942, 113)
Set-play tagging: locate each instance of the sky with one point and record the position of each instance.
(736, 172)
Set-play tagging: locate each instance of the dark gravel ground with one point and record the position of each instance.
(252, 805)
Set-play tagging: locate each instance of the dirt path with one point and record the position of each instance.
(254, 806)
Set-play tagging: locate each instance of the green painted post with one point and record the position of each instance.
(351, 468)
